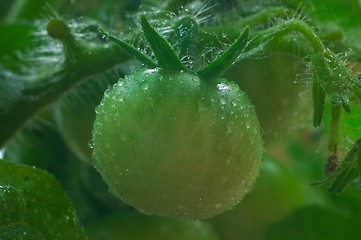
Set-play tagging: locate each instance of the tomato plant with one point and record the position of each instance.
(149, 125)
(168, 108)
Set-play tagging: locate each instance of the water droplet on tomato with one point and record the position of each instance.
(223, 100)
(234, 102)
(218, 206)
(201, 105)
(223, 87)
(229, 127)
(144, 86)
(91, 144)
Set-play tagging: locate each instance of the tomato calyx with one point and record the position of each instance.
(166, 56)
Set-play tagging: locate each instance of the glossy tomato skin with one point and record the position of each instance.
(171, 144)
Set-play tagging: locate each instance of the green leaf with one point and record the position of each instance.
(34, 206)
(227, 58)
(318, 95)
(164, 53)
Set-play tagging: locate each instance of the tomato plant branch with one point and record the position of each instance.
(260, 18)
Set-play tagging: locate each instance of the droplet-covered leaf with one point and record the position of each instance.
(34, 206)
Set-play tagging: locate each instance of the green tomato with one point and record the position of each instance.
(170, 143)
(280, 102)
(131, 225)
(276, 194)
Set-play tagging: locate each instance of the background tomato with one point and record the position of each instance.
(132, 225)
(277, 193)
(281, 99)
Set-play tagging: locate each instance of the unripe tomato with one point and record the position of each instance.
(131, 225)
(280, 98)
(170, 143)
(276, 194)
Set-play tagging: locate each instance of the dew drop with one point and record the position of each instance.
(223, 100)
(234, 102)
(202, 106)
(223, 87)
(219, 205)
(144, 86)
(91, 144)
(229, 127)
(104, 37)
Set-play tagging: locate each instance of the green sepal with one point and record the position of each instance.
(319, 96)
(130, 49)
(346, 107)
(227, 58)
(186, 31)
(163, 52)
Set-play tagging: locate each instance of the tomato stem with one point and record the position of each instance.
(164, 53)
(132, 51)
